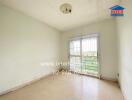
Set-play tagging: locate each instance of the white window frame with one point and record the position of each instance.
(80, 37)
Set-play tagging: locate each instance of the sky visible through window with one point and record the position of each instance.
(88, 45)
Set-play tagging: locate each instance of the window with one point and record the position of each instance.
(83, 55)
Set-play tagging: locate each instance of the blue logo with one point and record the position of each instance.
(117, 10)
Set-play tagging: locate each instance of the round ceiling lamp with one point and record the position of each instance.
(66, 8)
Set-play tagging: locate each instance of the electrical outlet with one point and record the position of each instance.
(118, 74)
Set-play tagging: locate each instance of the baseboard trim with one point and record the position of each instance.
(94, 76)
(108, 79)
(123, 93)
(26, 84)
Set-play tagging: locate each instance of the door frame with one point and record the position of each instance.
(83, 36)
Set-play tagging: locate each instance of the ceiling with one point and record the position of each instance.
(83, 11)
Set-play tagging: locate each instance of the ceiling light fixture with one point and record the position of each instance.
(66, 8)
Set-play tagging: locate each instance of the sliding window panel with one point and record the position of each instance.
(75, 56)
(89, 55)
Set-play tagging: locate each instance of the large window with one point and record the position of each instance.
(83, 55)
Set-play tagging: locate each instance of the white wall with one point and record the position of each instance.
(125, 49)
(25, 43)
(108, 45)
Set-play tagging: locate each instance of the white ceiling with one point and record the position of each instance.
(83, 11)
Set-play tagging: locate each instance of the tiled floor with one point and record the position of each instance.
(67, 87)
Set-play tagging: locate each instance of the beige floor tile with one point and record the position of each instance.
(67, 87)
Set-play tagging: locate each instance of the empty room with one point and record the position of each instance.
(65, 50)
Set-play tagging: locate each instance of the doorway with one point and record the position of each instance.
(84, 55)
